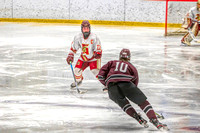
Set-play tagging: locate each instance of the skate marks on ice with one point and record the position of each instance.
(35, 80)
(43, 114)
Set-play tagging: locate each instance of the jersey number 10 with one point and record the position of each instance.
(123, 67)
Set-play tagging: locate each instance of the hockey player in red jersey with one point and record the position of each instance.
(193, 25)
(91, 52)
(121, 78)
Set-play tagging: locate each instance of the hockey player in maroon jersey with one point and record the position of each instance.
(91, 52)
(121, 78)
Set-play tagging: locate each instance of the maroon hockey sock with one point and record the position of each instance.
(129, 109)
(148, 110)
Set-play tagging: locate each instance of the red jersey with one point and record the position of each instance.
(116, 71)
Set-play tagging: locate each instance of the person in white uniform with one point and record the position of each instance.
(193, 21)
(91, 52)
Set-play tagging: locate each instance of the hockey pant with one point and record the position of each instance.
(82, 65)
(187, 37)
(120, 92)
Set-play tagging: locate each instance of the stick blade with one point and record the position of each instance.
(82, 91)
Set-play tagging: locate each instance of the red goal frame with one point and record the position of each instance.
(166, 12)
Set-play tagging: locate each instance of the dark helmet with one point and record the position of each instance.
(125, 54)
(85, 23)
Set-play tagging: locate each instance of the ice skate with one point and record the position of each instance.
(73, 85)
(185, 43)
(141, 120)
(159, 125)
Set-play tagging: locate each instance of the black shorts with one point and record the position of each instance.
(118, 91)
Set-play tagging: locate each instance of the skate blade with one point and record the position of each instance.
(164, 128)
(82, 91)
(73, 89)
(77, 89)
(146, 125)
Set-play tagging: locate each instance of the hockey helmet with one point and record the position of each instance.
(125, 54)
(85, 23)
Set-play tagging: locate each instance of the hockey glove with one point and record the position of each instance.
(105, 89)
(97, 54)
(70, 58)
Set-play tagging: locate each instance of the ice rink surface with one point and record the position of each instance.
(35, 96)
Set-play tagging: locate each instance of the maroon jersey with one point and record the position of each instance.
(116, 71)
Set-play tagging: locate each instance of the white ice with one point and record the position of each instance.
(35, 79)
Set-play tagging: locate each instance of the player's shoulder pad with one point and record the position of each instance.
(110, 62)
(93, 35)
(131, 64)
(78, 35)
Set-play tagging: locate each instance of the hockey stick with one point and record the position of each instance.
(80, 92)
(160, 116)
(192, 35)
(82, 66)
(83, 63)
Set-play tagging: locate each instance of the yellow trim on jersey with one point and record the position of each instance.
(98, 22)
(84, 58)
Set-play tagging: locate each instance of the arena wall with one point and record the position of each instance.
(100, 10)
